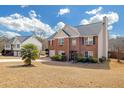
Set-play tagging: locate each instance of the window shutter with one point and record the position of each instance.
(82, 41)
(94, 40)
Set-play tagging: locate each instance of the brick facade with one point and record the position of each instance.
(78, 47)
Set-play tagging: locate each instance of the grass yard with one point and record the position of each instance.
(59, 74)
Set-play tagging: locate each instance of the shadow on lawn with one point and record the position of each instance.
(18, 66)
(81, 65)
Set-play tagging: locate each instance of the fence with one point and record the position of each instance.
(115, 54)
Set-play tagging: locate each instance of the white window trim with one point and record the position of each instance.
(7, 45)
(17, 45)
(88, 43)
(90, 53)
(73, 44)
(60, 52)
(51, 42)
(61, 41)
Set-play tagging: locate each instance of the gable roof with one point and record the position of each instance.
(52, 36)
(82, 30)
(21, 38)
(71, 31)
(90, 29)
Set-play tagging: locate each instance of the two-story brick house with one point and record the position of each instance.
(87, 40)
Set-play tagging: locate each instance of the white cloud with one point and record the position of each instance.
(9, 34)
(59, 25)
(63, 11)
(84, 22)
(32, 14)
(94, 11)
(110, 27)
(113, 17)
(24, 6)
(114, 35)
(19, 22)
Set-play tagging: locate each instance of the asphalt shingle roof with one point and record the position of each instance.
(82, 30)
(21, 38)
(90, 29)
(71, 31)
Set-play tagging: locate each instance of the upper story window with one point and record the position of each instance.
(7, 46)
(88, 40)
(61, 41)
(13, 46)
(18, 45)
(51, 42)
(74, 41)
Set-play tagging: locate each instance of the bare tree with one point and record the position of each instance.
(118, 46)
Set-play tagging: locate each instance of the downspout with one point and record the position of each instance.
(68, 48)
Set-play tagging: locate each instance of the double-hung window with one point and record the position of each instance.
(61, 41)
(7, 46)
(73, 41)
(51, 42)
(88, 53)
(18, 45)
(88, 40)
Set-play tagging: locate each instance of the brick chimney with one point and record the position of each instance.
(105, 22)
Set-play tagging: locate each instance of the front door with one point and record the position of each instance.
(72, 55)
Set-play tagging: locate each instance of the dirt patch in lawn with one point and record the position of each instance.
(60, 75)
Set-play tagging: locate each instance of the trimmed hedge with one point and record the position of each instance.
(86, 60)
(103, 59)
(58, 58)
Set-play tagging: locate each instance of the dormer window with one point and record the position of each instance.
(61, 41)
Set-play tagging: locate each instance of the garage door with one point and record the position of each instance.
(51, 53)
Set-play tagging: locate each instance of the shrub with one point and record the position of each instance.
(29, 52)
(55, 57)
(63, 58)
(58, 58)
(103, 59)
(109, 60)
(93, 60)
(79, 58)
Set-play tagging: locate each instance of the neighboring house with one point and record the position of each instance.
(86, 40)
(13, 46)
